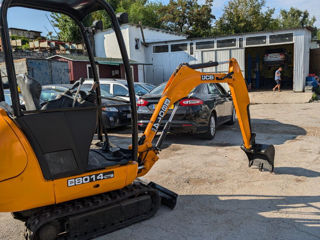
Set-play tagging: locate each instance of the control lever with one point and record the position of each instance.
(77, 85)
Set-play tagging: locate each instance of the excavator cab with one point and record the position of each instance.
(61, 135)
(51, 175)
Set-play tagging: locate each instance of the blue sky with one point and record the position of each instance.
(37, 20)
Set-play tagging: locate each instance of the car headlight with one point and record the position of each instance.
(110, 109)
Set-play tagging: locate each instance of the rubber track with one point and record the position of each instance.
(64, 210)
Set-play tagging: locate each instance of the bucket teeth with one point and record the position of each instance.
(261, 156)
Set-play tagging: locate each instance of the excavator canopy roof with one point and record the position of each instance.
(76, 8)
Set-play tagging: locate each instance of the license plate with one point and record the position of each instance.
(155, 105)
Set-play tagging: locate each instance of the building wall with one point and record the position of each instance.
(165, 63)
(302, 41)
(107, 46)
(135, 73)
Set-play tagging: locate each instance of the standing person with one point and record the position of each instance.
(277, 78)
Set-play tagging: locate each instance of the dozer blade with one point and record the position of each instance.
(168, 198)
(261, 156)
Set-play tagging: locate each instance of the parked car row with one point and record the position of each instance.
(206, 107)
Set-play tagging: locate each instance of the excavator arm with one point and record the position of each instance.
(180, 84)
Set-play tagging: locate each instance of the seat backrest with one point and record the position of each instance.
(31, 91)
(61, 140)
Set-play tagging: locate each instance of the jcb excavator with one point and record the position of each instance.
(55, 180)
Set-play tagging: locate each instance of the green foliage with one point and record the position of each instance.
(138, 10)
(24, 40)
(69, 31)
(25, 46)
(241, 16)
(295, 18)
(192, 18)
(189, 17)
(148, 14)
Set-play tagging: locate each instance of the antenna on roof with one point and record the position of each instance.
(54, 29)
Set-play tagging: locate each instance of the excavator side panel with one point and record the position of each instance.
(13, 156)
(22, 185)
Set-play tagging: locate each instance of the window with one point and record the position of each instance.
(240, 42)
(226, 43)
(280, 38)
(89, 71)
(256, 40)
(179, 47)
(221, 89)
(212, 89)
(105, 87)
(191, 48)
(160, 49)
(205, 45)
(119, 90)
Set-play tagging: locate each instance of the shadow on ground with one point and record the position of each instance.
(296, 171)
(268, 132)
(230, 217)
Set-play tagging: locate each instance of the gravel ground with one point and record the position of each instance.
(220, 197)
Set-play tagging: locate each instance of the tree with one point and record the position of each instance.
(68, 29)
(148, 14)
(139, 11)
(241, 16)
(295, 18)
(189, 17)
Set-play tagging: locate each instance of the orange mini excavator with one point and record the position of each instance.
(51, 175)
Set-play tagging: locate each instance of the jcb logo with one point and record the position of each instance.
(207, 77)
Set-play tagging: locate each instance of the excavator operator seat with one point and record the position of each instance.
(31, 91)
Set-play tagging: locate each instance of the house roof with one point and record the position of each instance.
(25, 30)
(99, 60)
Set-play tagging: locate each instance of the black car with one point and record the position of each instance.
(206, 107)
(116, 112)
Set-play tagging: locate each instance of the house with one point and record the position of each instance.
(79, 66)
(31, 34)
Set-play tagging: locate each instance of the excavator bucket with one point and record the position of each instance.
(261, 156)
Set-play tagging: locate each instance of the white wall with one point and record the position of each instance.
(302, 41)
(107, 46)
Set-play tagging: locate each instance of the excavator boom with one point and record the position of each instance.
(180, 84)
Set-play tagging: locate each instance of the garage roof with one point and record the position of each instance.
(99, 60)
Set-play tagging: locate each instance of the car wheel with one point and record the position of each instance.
(233, 117)
(211, 128)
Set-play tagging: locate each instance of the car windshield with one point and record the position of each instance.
(103, 87)
(140, 91)
(158, 90)
(7, 98)
(49, 94)
(150, 87)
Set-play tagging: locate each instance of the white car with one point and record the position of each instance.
(119, 88)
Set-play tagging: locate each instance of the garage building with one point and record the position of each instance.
(259, 55)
